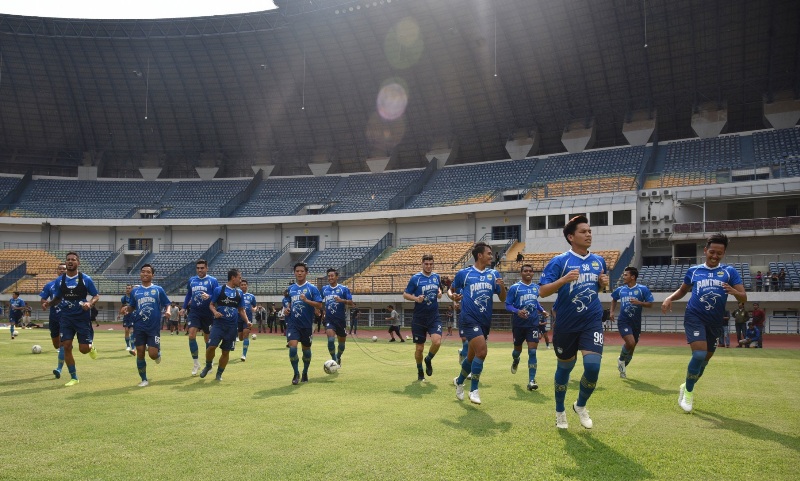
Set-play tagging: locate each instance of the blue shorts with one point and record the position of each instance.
(223, 336)
(471, 330)
(420, 329)
(15, 320)
(337, 326)
(525, 334)
(80, 328)
(302, 334)
(55, 327)
(699, 331)
(627, 328)
(127, 321)
(542, 328)
(567, 344)
(202, 322)
(241, 325)
(150, 338)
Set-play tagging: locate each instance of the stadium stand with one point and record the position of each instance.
(41, 267)
(608, 170)
(320, 261)
(190, 199)
(247, 261)
(774, 146)
(284, 196)
(371, 192)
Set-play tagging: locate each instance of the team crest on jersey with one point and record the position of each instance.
(595, 264)
(720, 273)
(152, 292)
(636, 292)
(488, 276)
(475, 329)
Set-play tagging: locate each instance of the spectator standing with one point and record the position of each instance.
(782, 280)
(354, 313)
(725, 336)
(759, 281)
(740, 317)
(774, 281)
(759, 318)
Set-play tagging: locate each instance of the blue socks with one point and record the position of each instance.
(695, 369)
(531, 364)
(193, 348)
(245, 346)
(477, 369)
(591, 370)
(294, 359)
(466, 367)
(340, 351)
(625, 356)
(141, 365)
(60, 358)
(464, 348)
(73, 373)
(515, 354)
(127, 342)
(306, 360)
(563, 368)
(332, 347)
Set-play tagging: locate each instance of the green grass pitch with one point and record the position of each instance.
(374, 421)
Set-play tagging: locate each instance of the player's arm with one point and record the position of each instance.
(212, 306)
(412, 297)
(553, 287)
(613, 308)
(503, 289)
(666, 306)
(736, 291)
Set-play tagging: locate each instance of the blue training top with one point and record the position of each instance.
(73, 292)
(148, 303)
(478, 289)
(707, 303)
(335, 311)
(577, 306)
(249, 301)
(624, 295)
(228, 301)
(194, 290)
(428, 286)
(302, 314)
(47, 294)
(523, 296)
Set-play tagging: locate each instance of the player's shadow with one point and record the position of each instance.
(105, 392)
(646, 387)
(477, 422)
(278, 391)
(417, 390)
(533, 397)
(26, 392)
(15, 382)
(591, 456)
(749, 429)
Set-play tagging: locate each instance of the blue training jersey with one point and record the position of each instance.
(148, 302)
(15, 313)
(47, 295)
(624, 295)
(523, 296)
(194, 290)
(427, 286)
(73, 292)
(577, 306)
(249, 301)
(302, 314)
(478, 289)
(707, 303)
(335, 311)
(126, 301)
(228, 301)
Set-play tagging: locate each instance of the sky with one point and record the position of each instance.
(140, 9)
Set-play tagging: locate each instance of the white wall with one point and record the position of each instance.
(158, 234)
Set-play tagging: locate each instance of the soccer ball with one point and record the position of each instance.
(252, 336)
(374, 338)
(408, 338)
(36, 349)
(15, 334)
(330, 366)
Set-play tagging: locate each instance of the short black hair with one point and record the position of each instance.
(233, 273)
(427, 257)
(478, 248)
(245, 280)
(300, 264)
(201, 261)
(152, 269)
(331, 269)
(72, 253)
(718, 238)
(523, 266)
(634, 271)
(572, 226)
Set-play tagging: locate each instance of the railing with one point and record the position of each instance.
(13, 196)
(783, 325)
(737, 225)
(137, 265)
(26, 245)
(752, 259)
(110, 259)
(254, 246)
(182, 247)
(13, 276)
(623, 262)
(399, 201)
(175, 279)
(351, 243)
(242, 196)
(275, 257)
(358, 265)
(408, 241)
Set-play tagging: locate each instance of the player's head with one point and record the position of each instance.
(61, 268)
(716, 244)
(73, 260)
(146, 273)
(482, 253)
(16, 294)
(526, 272)
(243, 284)
(630, 274)
(286, 293)
(300, 272)
(578, 233)
(128, 288)
(234, 277)
(390, 307)
(201, 266)
(333, 276)
(427, 264)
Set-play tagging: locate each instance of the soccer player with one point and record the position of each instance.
(147, 301)
(475, 288)
(54, 321)
(71, 291)
(127, 319)
(424, 291)
(337, 299)
(17, 308)
(303, 298)
(632, 297)
(522, 301)
(245, 323)
(578, 276)
(198, 292)
(710, 284)
(227, 306)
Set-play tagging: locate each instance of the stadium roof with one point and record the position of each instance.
(345, 80)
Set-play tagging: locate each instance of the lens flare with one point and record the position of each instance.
(403, 45)
(392, 101)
